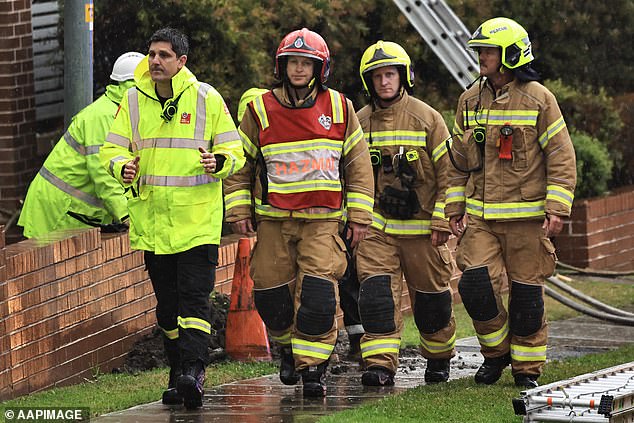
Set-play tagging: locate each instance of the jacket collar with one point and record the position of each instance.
(180, 82)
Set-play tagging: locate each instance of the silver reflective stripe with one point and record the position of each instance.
(231, 136)
(133, 104)
(171, 143)
(201, 112)
(115, 160)
(177, 181)
(301, 166)
(118, 140)
(70, 190)
(81, 149)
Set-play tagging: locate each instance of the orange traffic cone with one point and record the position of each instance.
(245, 335)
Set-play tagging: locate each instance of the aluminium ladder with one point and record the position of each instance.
(445, 34)
(604, 396)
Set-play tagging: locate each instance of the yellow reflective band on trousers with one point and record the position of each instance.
(170, 334)
(559, 194)
(438, 347)
(398, 138)
(360, 201)
(284, 339)
(194, 323)
(552, 130)
(455, 195)
(380, 346)
(522, 353)
(401, 227)
(237, 198)
(312, 349)
(505, 210)
(494, 339)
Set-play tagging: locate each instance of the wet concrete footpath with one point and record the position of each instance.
(265, 399)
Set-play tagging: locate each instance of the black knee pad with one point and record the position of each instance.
(275, 307)
(526, 309)
(432, 311)
(318, 306)
(477, 294)
(376, 305)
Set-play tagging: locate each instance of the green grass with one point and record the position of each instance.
(462, 401)
(112, 392)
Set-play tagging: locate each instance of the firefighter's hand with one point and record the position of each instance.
(356, 233)
(130, 170)
(208, 160)
(438, 238)
(553, 225)
(242, 226)
(457, 224)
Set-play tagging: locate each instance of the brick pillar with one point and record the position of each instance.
(18, 147)
(5, 344)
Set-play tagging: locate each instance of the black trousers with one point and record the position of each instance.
(182, 285)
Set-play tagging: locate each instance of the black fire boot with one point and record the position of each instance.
(288, 375)
(190, 384)
(354, 352)
(437, 370)
(171, 395)
(491, 370)
(526, 381)
(314, 380)
(377, 376)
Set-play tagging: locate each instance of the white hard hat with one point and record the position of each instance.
(125, 65)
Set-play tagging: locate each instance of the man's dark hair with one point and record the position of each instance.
(179, 41)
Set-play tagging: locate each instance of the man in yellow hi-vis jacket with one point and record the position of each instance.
(72, 189)
(514, 176)
(174, 140)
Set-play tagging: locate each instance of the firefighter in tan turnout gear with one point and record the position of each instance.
(306, 161)
(514, 176)
(408, 234)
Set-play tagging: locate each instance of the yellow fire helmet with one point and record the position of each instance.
(385, 53)
(507, 34)
(248, 96)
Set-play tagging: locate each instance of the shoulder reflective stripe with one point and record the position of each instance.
(170, 334)
(380, 346)
(133, 105)
(118, 140)
(522, 353)
(201, 112)
(194, 323)
(177, 181)
(455, 194)
(440, 150)
(514, 117)
(69, 189)
(284, 339)
(148, 143)
(312, 349)
(225, 137)
(115, 160)
(551, 131)
(337, 106)
(72, 143)
(260, 111)
(352, 140)
(513, 210)
(250, 148)
(299, 146)
(438, 347)
(360, 201)
(559, 194)
(494, 339)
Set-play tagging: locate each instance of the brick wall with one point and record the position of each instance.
(600, 233)
(17, 105)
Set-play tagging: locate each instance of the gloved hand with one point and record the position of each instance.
(397, 203)
(117, 227)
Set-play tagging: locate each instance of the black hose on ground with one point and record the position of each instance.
(587, 299)
(594, 272)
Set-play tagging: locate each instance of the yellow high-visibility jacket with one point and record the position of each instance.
(541, 175)
(179, 205)
(72, 179)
